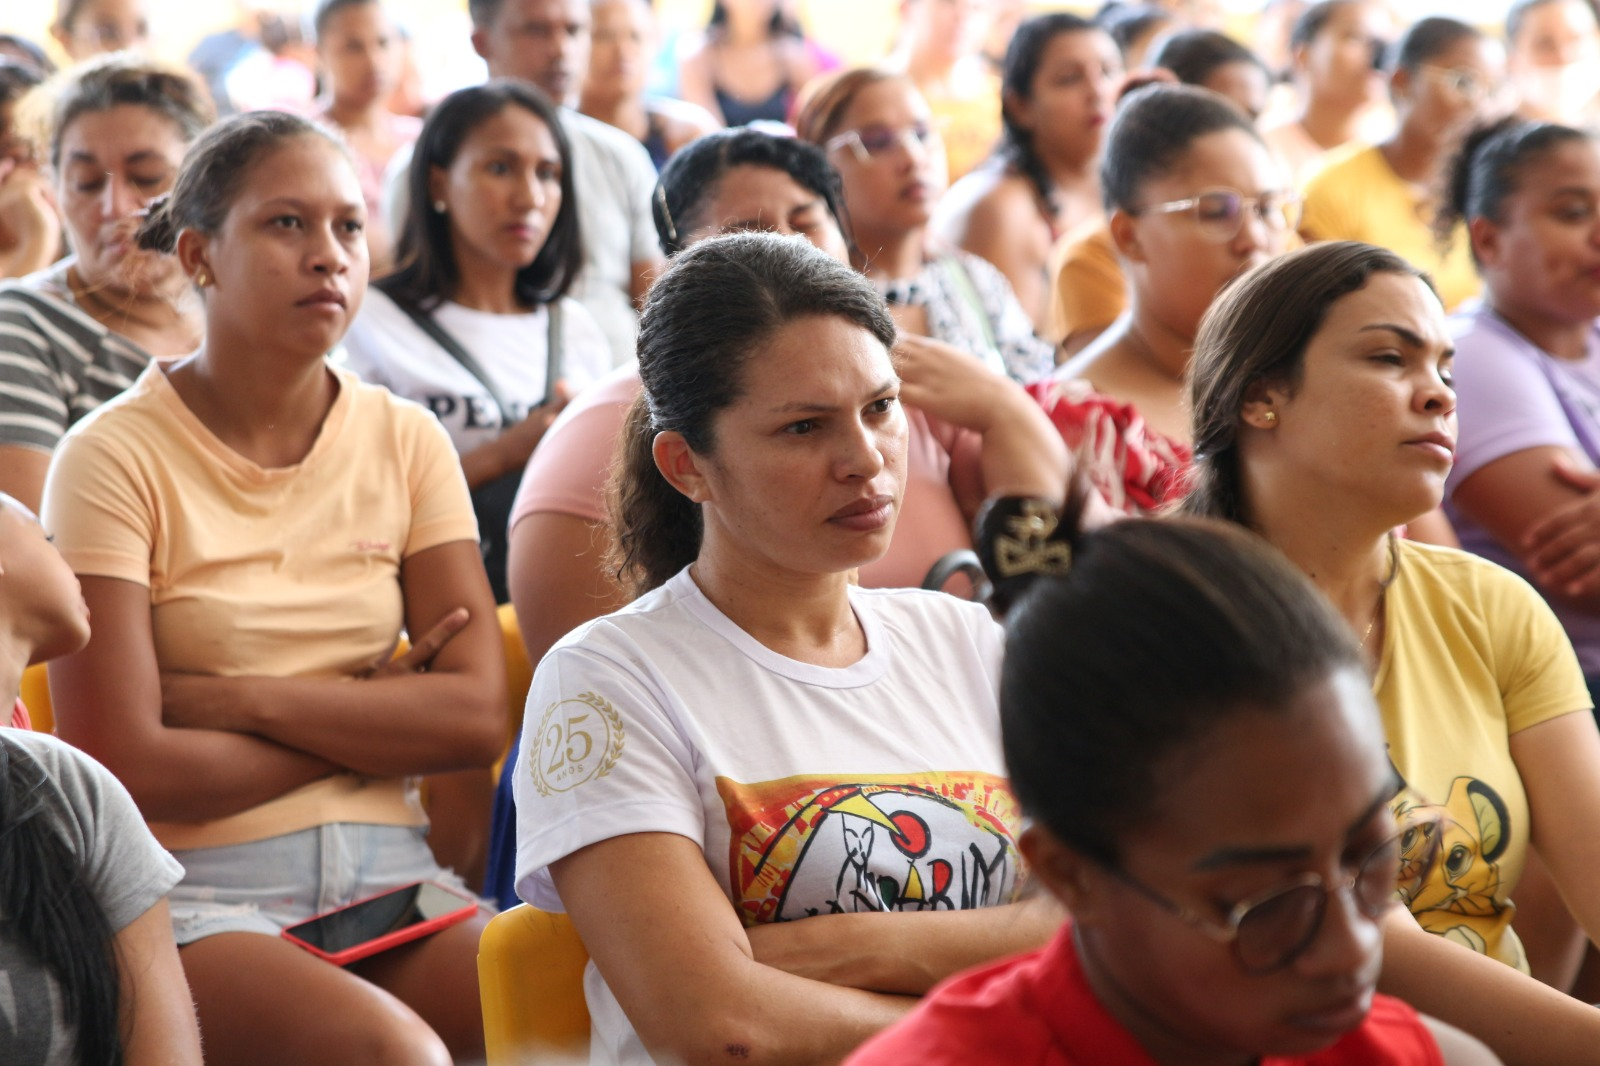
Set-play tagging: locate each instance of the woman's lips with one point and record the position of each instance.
(864, 515)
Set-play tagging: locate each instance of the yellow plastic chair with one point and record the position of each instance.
(36, 697)
(530, 978)
(519, 678)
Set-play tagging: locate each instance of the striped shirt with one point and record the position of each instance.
(56, 362)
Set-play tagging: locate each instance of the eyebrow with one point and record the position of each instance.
(805, 406)
(137, 157)
(1224, 857)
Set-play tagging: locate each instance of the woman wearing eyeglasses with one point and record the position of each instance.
(879, 132)
(1323, 419)
(1196, 200)
(1219, 915)
(1445, 79)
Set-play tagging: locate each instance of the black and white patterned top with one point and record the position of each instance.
(970, 305)
(56, 362)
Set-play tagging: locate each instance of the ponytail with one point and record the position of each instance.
(658, 528)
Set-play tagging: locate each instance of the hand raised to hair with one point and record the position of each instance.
(950, 384)
(1563, 550)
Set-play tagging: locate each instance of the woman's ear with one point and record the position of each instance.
(1125, 235)
(1069, 876)
(438, 181)
(193, 252)
(1262, 405)
(1401, 85)
(680, 465)
(1485, 238)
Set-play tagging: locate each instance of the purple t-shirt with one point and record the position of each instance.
(1510, 397)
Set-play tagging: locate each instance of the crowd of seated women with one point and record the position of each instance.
(1079, 549)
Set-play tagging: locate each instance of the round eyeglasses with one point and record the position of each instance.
(1271, 930)
(1220, 213)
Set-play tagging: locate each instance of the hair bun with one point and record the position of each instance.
(159, 230)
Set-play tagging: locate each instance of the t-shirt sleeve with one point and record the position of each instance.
(127, 871)
(601, 757)
(1089, 288)
(99, 509)
(441, 505)
(1538, 671)
(33, 413)
(1504, 403)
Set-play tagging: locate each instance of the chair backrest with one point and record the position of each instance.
(530, 978)
(36, 697)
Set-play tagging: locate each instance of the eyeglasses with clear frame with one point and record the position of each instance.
(1220, 213)
(874, 142)
(1269, 931)
(1469, 85)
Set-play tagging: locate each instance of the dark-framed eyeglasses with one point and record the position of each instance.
(1269, 931)
(1220, 213)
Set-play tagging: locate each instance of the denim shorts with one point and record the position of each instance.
(265, 885)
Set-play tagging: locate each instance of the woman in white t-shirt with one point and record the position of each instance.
(753, 730)
(465, 324)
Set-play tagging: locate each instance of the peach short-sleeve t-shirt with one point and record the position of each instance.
(285, 572)
(568, 474)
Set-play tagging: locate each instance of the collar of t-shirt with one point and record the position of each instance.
(864, 671)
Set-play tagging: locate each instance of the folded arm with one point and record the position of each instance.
(683, 969)
(448, 715)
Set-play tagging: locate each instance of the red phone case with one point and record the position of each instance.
(469, 906)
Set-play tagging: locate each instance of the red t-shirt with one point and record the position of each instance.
(1038, 1010)
(19, 716)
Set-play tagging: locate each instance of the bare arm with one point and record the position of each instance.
(107, 701)
(450, 717)
(1458, 1048)
(694, 81)
(1513, 496)
(904, 953)
(558, 577)
(1022, 454)
(683, 970)
(1526, 1023)
(1559, 763)
(644, 272)
(22, 473)
(157, 1012)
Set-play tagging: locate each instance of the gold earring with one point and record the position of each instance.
(1270, 417)
(201, 278)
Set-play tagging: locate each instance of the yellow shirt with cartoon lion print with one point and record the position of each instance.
(1471, 655)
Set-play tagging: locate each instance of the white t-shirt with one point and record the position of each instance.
(386, 348)
(613, 179)
(811, 790)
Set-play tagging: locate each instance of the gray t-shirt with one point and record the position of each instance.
(126, 870)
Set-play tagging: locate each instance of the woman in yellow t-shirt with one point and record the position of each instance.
(1444, 81)
(252, 527)
(1324, 419)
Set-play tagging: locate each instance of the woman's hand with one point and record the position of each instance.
(421, 654)
(509, 452)
(947, 383)
(1563, 550)
(30, 227)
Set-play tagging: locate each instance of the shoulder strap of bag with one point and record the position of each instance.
(969, 295)
(553, 350)
(426, 323)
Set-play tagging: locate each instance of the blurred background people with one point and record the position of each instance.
(615, 89)
(750, 64)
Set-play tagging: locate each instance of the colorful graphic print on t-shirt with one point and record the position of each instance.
(803, 846)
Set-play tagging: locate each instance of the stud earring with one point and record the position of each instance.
(201, 278)
(439, 206)
(1270, 417)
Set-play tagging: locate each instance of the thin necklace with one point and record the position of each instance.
(1383, 587)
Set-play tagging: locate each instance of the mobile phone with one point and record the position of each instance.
(380, 922)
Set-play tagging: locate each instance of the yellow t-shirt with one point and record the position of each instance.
(290, 572)
(1088, 290)
(1355, 196)
(1472, 654)
(969, 124)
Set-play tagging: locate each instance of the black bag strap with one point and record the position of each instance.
(441, 336)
